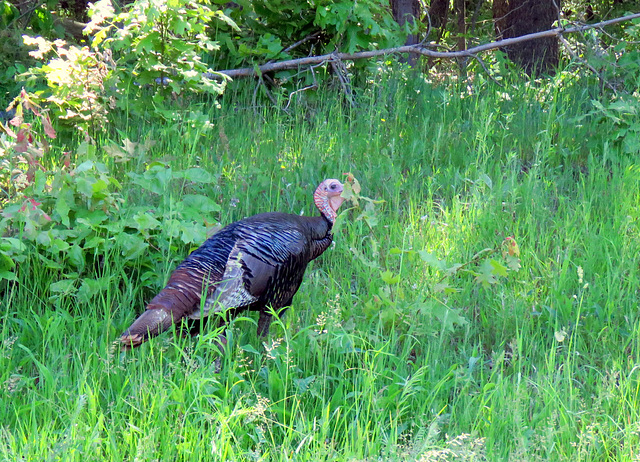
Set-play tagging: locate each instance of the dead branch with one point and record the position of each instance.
(417, 48)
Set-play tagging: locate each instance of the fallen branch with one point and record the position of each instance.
(417, 48)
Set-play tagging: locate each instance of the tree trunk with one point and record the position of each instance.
(526, 17)
(500, 11)
(438, 12)
(459, 6)
(406, 11)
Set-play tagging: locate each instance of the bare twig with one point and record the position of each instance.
(484, 66)
(417, 48)
(575, 56)
(300, 42)
(341, 71)
(313, 86)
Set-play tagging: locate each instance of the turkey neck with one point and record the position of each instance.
(320, 232)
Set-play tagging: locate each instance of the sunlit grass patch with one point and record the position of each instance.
(411, 338)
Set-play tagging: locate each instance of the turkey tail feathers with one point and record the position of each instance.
(149, 324)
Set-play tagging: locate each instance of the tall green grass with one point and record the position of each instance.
(542, 365)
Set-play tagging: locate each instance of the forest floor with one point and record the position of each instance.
(421, 334)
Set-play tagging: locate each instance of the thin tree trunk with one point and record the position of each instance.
(406, 11)
(459, 6)
(438, 14)
(500, 10)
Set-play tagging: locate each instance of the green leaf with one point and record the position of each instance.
(85, 187)
(389, 278)
(498, 268)
(432, 260)
(98, 188)
(303, 384)
(91, 287)
(76, 256)
(132, 246)
(513, 262)
(145, 221)
(65, 287)
(84, 166)
(63, 209)
(197, 206)
(249, 349)
(12, 245)
(448, 316)
(486, 276)
(197, 175)
(486, 180)
(8, 275)
(48, 263)
(59, 245)
(193, 234)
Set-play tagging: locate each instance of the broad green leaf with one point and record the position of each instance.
(84, 166)
(98, 188)
(91, 287)
(448, 316)
(389, 278)
(145, 221)
(196, 207)
(197, 175)
(513, 262)
(431, 260)
(498, 268)
(485, 276)
(85, 187)
(48, 263)
(249, 349)
(8, 275)
(303, 384)
(63, 209)
(6, 262)
(59, 245)
(132, 246)
(11, 245)
(65, 286)
(76, 256)
(194, 233)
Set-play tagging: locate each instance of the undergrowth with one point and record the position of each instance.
(480, 302)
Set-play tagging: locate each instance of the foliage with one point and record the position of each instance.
(391, 304)
(405, 342)
(617, 66)
(22, 146)
(270, 28)
(160, 43)
(151, 50)
(75, 79)
(70, 218)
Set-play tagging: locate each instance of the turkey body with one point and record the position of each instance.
(254, 263)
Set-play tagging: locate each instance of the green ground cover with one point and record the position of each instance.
(385, 355)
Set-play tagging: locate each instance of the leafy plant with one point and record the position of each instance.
(22, 146)
(160, 44)
(71, 218)
(282, 29)
(75, 78)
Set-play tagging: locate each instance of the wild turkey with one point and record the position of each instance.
(251, 264)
